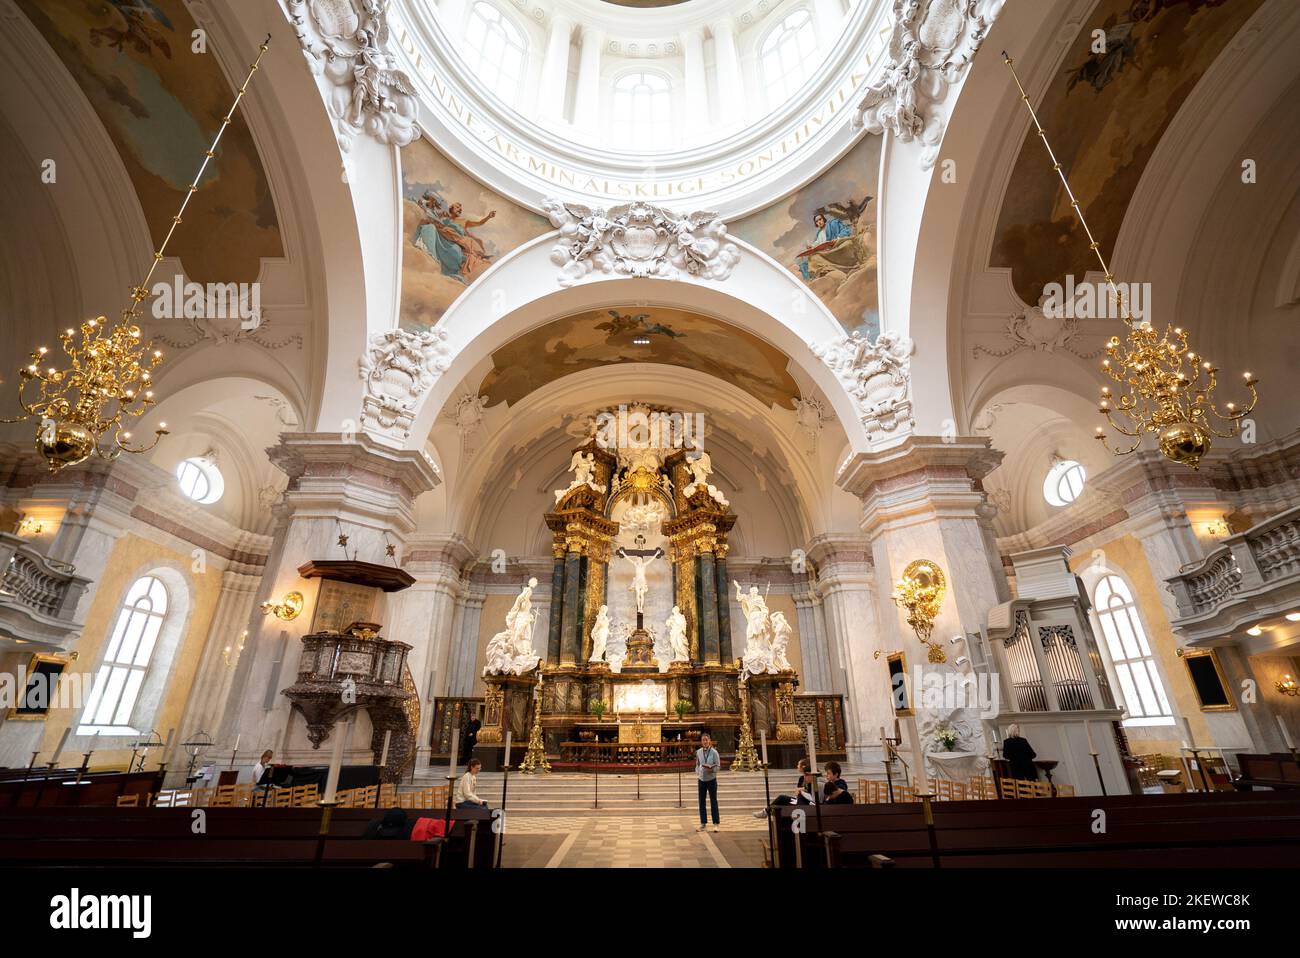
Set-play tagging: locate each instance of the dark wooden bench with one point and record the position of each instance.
(156, 837)
(1245, 829)
(1277, 770)
(60, 787)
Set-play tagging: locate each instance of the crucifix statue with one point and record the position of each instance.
(640, 559)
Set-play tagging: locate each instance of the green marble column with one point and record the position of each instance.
(557, 609)
(724, 610)
(569, 620)
(709, 651)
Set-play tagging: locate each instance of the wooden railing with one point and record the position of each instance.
(875, 792)
(628, 753)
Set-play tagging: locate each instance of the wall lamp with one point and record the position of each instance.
(287, 608)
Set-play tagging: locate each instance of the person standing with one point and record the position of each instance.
(707, 763)
(469, 740)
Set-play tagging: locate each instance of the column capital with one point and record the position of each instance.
(916, 459)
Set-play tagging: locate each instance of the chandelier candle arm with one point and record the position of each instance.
(108, 380)
(1166, 389)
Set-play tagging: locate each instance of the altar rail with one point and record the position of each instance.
(1262, 558)
(642, 755)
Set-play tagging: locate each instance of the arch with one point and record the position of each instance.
(522, 291)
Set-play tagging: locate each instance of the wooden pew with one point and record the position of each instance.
(60, 787)
(1277, 770)
(1246, 829)
(274, 837)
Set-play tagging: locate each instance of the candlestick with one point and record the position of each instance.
(54, 762)
(1092, 749)
(455, 746)
(919, 775)
(1286, 736)
(383, 756)
(508, 734)
(169, 746)
(1187, 727)
(762, 738)
(812, 752)
(237, 738)
(336, 765)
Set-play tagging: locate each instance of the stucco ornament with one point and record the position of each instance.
(344, 41)
(877, 376)
(637, 239)
(398, 368)
(930, 50)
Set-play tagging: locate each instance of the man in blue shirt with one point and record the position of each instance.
(707, 763)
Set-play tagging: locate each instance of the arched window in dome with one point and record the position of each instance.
(641, 112)
(1064, 482)
(1130, 653)
(497, 51)
(786, 56)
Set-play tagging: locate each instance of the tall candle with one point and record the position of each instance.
(918, 757)
(1187, 728)
(508, 734)
(383, 756)
(1092, 749)
(1286, 736)
(169, 746)
(812, 751)
(336, 764)
(455, 746)
(62, 742)
(762, 738)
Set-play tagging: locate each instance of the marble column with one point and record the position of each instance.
(813, 646)
(361, 486)
(922, 499)
(710, 650)
(722, 593)
(697, 88)
(469, 624)
(556, 610)
(570, 640)
(555, 69)
(586, 113)
(846, 588)
(731, 91)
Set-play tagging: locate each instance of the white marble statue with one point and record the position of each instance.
(701, 467)
(781, 633)
(758, 631)
(639, 585)
(583, 467)
(510, 651)
(600, 635)
(677, 636)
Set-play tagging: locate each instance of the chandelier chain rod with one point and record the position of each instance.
(139, 292)
(1074, 202)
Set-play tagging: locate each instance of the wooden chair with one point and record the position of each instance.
(128, 801)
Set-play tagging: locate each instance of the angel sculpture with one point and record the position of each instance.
(510, 651)
(781, 634)
(583, 466)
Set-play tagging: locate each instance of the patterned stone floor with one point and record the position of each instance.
(629, 841)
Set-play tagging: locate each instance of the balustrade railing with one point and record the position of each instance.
(36, 584)
(1261, 556)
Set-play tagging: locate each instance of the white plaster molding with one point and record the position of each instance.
(398, 368)
(639, 240)
(931, 48)
(1040, 330)
(343, 41)
(878, 378)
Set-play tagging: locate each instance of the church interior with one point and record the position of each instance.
(760, 434)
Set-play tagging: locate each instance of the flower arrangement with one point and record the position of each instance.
(681, 707)
(597, 707)
(945, 737)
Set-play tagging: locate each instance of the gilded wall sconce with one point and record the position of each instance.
(1287, 685)
(287, 608)
(920, 591)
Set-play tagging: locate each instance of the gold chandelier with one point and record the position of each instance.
(86, 408)
(1165, 388)
(920, 592)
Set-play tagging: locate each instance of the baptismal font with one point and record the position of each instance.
(640, 618)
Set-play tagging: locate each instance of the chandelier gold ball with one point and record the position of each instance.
(65, 444)
(1184, 443)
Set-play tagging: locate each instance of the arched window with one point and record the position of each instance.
(642, 110)
(497, 51)
(786, 56)
(1064, 482)
(1130, 653)
(130, 649)
(200, 479)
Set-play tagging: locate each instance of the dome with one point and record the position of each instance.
(699, 102)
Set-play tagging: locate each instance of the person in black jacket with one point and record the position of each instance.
(393, 825)
(836, 790)
(469, 740)
(803, 792)
(1020, 755)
